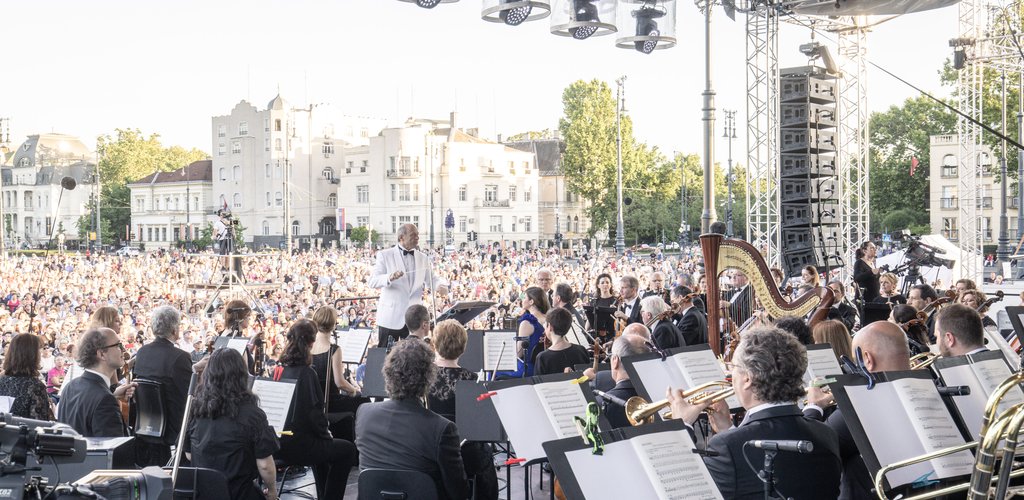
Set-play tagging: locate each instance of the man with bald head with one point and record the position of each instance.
(625, 345)
(884, 348)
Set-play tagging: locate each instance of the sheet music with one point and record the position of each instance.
(493, 342)
(996, 339)
(275, 400)
(525, 420)
(562, 401)
(991, 373)
(237, 343)
(936, 428)
(972, 406)
(353, 345)
(821, 363)
(656, 376)
(675, 472)
(619, 458)
(701, 367)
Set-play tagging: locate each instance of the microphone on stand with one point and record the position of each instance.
(790, 445)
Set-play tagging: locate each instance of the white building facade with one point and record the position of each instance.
(31, 189)
(169, 208)
(562, 213)
(419, 172)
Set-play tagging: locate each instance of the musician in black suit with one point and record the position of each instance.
(692, 323)
(86, 404)
(884, 348)
(657, 287)
(741, 299)
(629, 289)
(840, 309)
(767, 375)
(161, 361)
(655, 313)
(625, 345)
(401, 434)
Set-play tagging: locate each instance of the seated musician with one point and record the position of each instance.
(740, 303)
(797, 327)
(87, 403)
(975, 299)
(917, 333)
(692, 323)
(564, 298)
(840, 309)
(664, 334)
(561, 355)
(767, 375)
(884, 348)
(603, 380)
(629, 288)
(920, 297)
(449, 340)
(401, 434)
(959, 331)
(626, 345)
(835, 334)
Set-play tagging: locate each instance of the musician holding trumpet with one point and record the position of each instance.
(767, 376)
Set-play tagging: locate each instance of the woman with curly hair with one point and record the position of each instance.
(228, 431)
(311, 442)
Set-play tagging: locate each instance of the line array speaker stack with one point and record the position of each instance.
(810, 211)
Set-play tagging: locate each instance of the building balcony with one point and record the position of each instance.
(560, 205)
(495, 204)
(948, 203)
(985, 202)
(1012, 202)
(403, 174)
(945, 139)
(489, 171)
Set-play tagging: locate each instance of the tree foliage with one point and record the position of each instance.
(361, 234)
(897, 135)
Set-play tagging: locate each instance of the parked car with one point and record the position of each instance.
(128, 251)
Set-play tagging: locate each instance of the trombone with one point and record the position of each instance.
(995, 428)
(923, 360)
(639, 411)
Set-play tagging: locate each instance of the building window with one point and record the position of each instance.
(236, 173)
(236, 200)
(576, 224)
(526, 167)
(949, 166)
(415, 192)
(149, 234)
(462, 164)
(949, 228)
(568, 224)
(278, 199)
(266, 170)
(491, 192)
(332, 200)
(277, 170)
(462, 192)
(986, 227)
(140, 204)
(363, 194)
(327, 173)
(394, 191)
(223, 174)
(463, 224)
(496, 224)
(243, 128)
(328, 148)
(266, 124)
(221, 149)
(362, 221)
(222, 130)
(268, 198)
(277, 125)
(156, 203)
(528, 195)
(348, 169)
(266, 228)
(195, 203)
(295, 227)
(528, 224)
(362, 169)
(403, 192)
(277, 144)
(266, 144)
(236, 147)
(394, 224)
(511, 193)
(163, 232)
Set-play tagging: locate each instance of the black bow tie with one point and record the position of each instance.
(406, 252)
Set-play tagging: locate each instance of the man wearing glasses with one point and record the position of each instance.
(87, 404)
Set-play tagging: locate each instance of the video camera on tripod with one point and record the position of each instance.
(20, 437)
(922, 254)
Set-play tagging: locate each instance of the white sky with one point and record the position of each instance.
(86, 68)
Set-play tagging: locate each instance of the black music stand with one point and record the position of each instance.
(478, 421)
(601, 318)
(464, 312)
(473, 358)
(875, 311)
(373, 377)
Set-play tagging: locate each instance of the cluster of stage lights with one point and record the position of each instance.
(583, 18)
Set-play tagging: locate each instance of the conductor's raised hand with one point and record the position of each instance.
(395, 275)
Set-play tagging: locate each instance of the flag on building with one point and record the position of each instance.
(340, 219)
(913, 165)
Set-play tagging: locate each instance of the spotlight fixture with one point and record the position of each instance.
(584, 11)
(959, 46)
(428, 4)
(815, 50)
(647, 28)
(515, 12)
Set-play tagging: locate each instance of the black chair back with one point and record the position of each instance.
(199, 483)
(393, 484)
(150, 421)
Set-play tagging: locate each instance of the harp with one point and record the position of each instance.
(721, 254)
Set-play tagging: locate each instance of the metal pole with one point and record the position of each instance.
(1020, 156)
(287, 187)
(1003, 250)
(620, 243)
(730, 134)
(99, 193)
(309, 174)
(682, 202)
(709, 215)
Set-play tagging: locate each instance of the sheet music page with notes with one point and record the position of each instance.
(562, 401)
(656, 376)
(496, 358)
(701, 367)
(935, 427)
(890, 431)
(525, 420)
(353, 345)
(619, 458)
(821, 363)
(991, 373)
(997, 340)
(972, 406)
(275, 400)
(675, 472)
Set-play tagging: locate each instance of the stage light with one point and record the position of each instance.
(515, 12)
(653, 29)
(582, 19)
(428, 4)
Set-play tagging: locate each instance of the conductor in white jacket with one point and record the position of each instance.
(401, 273)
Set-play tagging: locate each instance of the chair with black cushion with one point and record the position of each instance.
(199, 483)
(150, 420)
(393, 484)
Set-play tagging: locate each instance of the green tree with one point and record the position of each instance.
(125, 157)
(897, 135)
(361, 234)
(205, 238)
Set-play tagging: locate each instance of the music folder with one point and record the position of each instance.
(478, 420)
(464, 312)
(655, 461)
(683, 368)
(534, 410)
(821, 363)
(901, 417)
(982, 372)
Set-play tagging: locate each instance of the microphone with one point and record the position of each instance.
(609, 398)
(955, 390)
(790, 445)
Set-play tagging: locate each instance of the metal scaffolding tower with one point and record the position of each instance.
(763, 228)
(852, 155)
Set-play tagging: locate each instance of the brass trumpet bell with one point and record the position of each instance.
(639, 411)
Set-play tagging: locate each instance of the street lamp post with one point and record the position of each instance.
(620, 243)
(1003, 250)
(730, 134)
(708, 215)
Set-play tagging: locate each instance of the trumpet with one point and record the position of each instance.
(923, 360)
(639, 411)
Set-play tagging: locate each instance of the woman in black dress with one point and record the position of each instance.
(605, 297)
(865, 273)
(229, 432)
(310, 442)
(342, 396)
(889, 294)
(21, 379)
(562, 355)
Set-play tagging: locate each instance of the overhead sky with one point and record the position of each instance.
(86, 68)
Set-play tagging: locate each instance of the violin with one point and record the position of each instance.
(949, 296)
(991, 300)
(620, 324)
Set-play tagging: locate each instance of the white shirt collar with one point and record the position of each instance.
(762, 407)
(98, 374)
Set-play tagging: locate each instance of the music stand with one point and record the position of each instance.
(464, 312)
(876, 312)
(473, 358)
(601, 318)
(1016, 315)
(373, 378)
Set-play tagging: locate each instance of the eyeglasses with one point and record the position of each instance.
(119, 345)
(730, 366)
